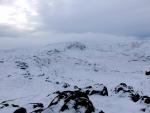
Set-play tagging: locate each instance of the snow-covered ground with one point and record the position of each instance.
(31, 75)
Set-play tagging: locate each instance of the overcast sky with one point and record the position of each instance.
(26, 18)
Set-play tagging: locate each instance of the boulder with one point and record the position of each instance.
(71, 100)
(21, 110)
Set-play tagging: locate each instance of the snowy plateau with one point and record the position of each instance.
(76, 77)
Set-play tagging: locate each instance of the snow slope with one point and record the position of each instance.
(32, 75)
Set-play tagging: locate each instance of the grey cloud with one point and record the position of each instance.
(129, 17)
(116, 17)
(10, 31)
(6, 2)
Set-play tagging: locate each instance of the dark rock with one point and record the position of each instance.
(101, 112)
(9, 75)
(76, 87)
(41, 75)
(37, 105)
(123, 84)
(64, 107)
(146, 99)
(30, 78)
(76, 45)
(147, 73)
(5, 105)
(66, 85)
(95, 92)
(13, 105)
(3, 102)
(22, 65)
(47, 80)
(89, 87)
(51, 52)
(1, 107)
(143, 109)
(21, 110)
(98, 89)
(57, 82)
(37, 111)
(125, 90)
(135, 97)
(78, 98)
(1, 61)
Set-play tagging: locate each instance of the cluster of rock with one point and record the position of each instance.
(147, 73)
(78, 100)
(127, 91)
(22, 65)
(76, 45)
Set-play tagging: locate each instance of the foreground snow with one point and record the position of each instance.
(32, 75)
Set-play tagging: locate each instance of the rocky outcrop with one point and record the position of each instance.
(78, 100)
(76, 45)
(21, 110)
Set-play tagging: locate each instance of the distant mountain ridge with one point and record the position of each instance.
(33, 75)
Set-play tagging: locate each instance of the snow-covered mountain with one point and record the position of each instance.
(29, 77)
